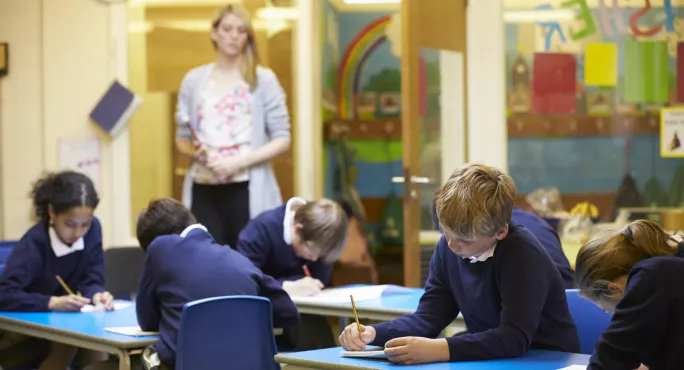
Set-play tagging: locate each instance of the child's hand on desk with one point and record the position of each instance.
(104, 298)
(67, 303)
(351, 341)
(303, 287)
(416, 350)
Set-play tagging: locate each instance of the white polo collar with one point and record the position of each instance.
(192, 227)
(59, 248)
(484, 256)
(288, 220)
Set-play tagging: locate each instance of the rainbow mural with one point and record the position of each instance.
(354, 57)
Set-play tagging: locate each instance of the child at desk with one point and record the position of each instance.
(66, 242)
(547, 236)
(491, 270)
(297, 244)
(184, 264)
(634, 272)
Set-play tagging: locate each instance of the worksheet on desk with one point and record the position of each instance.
(341, 295)
(575, 367)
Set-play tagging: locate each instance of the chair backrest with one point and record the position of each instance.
(6, 247)
(123, 266)
(233, 332)
(590, 320)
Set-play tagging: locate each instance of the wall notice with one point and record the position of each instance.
(81, 155)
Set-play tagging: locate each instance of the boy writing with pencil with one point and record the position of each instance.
(492, 271)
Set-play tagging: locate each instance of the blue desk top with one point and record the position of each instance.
(87, 326)
(329, 358)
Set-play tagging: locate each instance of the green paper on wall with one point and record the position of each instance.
(646, 72)
(600, 64)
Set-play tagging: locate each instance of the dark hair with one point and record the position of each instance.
(63, 191)
(164, 216)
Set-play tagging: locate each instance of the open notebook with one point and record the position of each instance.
(133, 331)
(341, 295)
(101, 307)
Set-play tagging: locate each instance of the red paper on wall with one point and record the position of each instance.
(554, 83)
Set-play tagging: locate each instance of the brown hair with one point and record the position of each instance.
(477, 200)
(610, 254)
(162, 217)
(250, 54)
(324, 227)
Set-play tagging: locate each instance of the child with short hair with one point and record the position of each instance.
(66, 242)
(634, 273)
(297, 244)
(181, 253)
(492, 271)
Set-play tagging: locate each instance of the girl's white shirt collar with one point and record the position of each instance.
(288, 220)
(59, 248)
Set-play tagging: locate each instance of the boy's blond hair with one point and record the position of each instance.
(477, 200)
(324, 227)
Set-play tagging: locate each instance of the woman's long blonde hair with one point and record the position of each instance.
(612, 253)
(249, 54)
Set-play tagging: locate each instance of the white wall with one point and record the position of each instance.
(63, 55)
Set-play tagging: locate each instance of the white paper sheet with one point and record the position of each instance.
(101, 308)
(575, 367)
(364, 354)
(341, 295)
(134, 331)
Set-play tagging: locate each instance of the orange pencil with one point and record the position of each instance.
(306, 270)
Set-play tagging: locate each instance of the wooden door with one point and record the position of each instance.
(433, 89)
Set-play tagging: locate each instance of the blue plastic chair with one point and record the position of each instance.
(590, 320)
(233, 332)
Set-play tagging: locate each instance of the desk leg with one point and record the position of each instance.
(124, 360)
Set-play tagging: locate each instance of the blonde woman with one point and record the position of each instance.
(237, 111)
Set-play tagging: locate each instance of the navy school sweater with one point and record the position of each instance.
(262, 242)
(512, 302)
(648, 324)
(546, 235)
(179, 270)
(28, 280)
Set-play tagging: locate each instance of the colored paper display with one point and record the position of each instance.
(672, 132)
(600, 64)
(646, 72)
(554, 83)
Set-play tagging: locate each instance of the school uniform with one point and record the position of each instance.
(267, 242)
(546, 235)
(549, 239)
(512, 299)
(183, 268)
(29, 280)
(648, 322)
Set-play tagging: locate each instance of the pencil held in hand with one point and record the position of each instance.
(307, 273)
(63, 284)
(356, 316)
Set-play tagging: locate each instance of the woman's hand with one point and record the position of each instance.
(104, 298)
(67, 303)
(227, 166)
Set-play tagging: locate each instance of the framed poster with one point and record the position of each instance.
(672, 132)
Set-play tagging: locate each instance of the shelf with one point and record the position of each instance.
(538, 125)
(359, 129)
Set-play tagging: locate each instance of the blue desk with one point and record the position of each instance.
(391, 305)
(329, 358)
(82, 330)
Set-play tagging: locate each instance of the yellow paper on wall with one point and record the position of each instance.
(600, 64)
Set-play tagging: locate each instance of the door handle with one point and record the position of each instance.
(414, 180)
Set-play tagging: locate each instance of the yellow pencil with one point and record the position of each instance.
(63, 284)
(356, 316)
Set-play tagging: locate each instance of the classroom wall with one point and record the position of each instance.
(63, 56)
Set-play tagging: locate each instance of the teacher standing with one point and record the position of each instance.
(238, 112)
